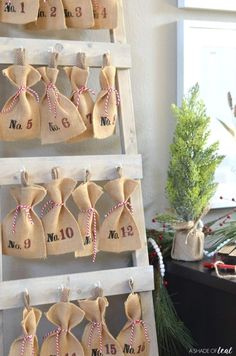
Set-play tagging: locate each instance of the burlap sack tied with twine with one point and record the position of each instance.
(18, 11)
(134, 338)
(119, 231)
(51, 16)
(105, 108)
(27, 344)
(78, 13)
(61, 341)
(61, 228)
(81, 96)
(86, 197)
(22, 230)
(60, 119)
(96, 339)
(20, 118)
(105, 14)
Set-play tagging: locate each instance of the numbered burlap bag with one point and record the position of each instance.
(119, 231)
(81, 97)
(134, 338)
(61, 341)
(105, 108)
(86, 197)
(22, 230)
(20, 118)
(27, 344)
(96, 339)
(51, 16)
(78, 13)
(61, 228)
(18, 11)
(105, 14)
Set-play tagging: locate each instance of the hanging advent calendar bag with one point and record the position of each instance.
(134, 338)
(18, 11)
(119, 231)
(61, 341)
(60, 119)
(61, 228)
(78, 13)
(50, 16)
(81, 96)
(22, 230)
(27, 344)
(20, 118)
(96, 338)
(86, 197)
(105, 14)
(105, 108)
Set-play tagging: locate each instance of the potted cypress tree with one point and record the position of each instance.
(190, 183)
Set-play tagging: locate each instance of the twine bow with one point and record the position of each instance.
(58, 333)
(91, 226)
(52, 105)
(125, 203)
(78, 92)
(20, 90)
(27, 338)
(96, 325)
(19, 207)
(49, 205)
(109, 91)
(133, 325)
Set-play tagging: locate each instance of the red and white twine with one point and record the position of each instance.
(52, 105)
(21, 89)
(77, 94)
(27, 338)
(27, 209)
(132, 332)
(91, 226)
(110, 91)
(125, 203)
(96, 325)
(49, 205)
(57, 332)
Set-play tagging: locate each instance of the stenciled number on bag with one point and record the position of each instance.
(130, 350)
(96, 352)
(29, 124)
(15, 125)
(65, 122)
(127, 231)
(103, 13)
(66, 233)
(22, 5)
(141, 348)
(13, 244)
(87, 240)
(110, 349)
(105, 121)
(53, 127)
(113, 235)
(78, 11)
(53, 11)
(27, 244)
(8, 7)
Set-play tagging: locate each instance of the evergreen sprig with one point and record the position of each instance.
(190, 183)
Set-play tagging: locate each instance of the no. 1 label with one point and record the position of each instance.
(11, 8)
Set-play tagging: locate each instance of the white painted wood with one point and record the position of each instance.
(45, 290)
(1, 276)
(38, 51)
(39, 168)
(223, 5)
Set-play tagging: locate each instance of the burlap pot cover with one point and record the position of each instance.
(86, 197)
(119, 231)
(22, 230)
(20, 118)
(81, 97)
(18, 11)
(105, 108)
(51, 16)
(105, 14)
(61, 341)
(60, 119)
(134, 338)
(60, 226)
(96, 339)
(78, 13)
(27, 344)
(188, 243)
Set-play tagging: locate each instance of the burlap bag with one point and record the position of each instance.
(188, 242)
(78, 13)
(22, 230)
(81, 97)
(27, 344)
(105, 14)
(105, 108)
(20, 118)
(86, 197)
(61, 228)
(51, 16)
(18, 11)
(96, 339)
(134, 338)
(119, 231)
(61, 341)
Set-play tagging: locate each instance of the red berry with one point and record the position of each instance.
(153, 220)
(221, 224)
(165, 283)
(228, 217)
(233, 199)
(221, 197)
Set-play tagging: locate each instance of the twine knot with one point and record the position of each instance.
(125, 203)
(49, 205)
(78, 92)
(133, 325)
(58, 333)
(20, 90)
